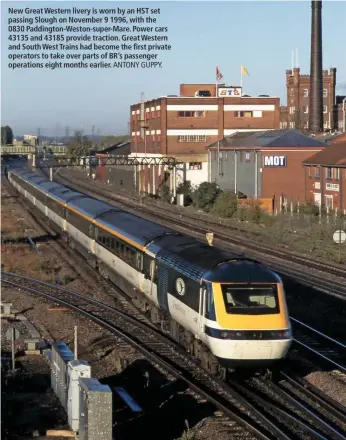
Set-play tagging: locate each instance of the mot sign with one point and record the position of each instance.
(274, 161)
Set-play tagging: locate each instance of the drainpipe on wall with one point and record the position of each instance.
(256, 175)
(235, 171)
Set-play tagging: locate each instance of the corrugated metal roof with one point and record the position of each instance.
(334, 154)
(268, 138)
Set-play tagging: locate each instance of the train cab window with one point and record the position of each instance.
(251, 299)
(210, 305)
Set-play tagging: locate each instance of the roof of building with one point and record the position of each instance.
(334, 154)
(332, 138)
(268, 138)
(114, 148)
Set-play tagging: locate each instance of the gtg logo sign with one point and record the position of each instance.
(274, 161)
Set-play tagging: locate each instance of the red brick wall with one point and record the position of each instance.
(339, 197)
(288, 181)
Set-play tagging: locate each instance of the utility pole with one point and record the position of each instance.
(92, 136)
(38, 135)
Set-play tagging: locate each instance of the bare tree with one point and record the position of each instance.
(79, 145)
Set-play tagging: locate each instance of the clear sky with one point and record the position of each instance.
(260, 35)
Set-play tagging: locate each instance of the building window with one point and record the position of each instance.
(283, 124)
(245, 156)
(243, 114)
(329, 173)
(192, 138)
(325, 93)
(325, 109)
(306, 109)
(292, 110)
(329, 202)
(292, 124)
(306, 93)
(306, 124)
(191, 114)
(317, 172)
(336, 173)
(158, 113)
(195, 165)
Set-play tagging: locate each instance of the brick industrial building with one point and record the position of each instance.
(296, 113)
(266, 164)
(183, 126)
(340, 103)
(325, 176)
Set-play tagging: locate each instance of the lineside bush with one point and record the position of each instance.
(225, 205)
(205, 196)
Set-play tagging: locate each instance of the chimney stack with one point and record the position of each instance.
(316, 76)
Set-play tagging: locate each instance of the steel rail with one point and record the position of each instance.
(219, 401)
(317, 419)
(135, 321)
(323, 400)
(274, 408)
(338, 351)
(330, 287)
(340, 271)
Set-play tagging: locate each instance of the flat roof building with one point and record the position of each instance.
(183, 126)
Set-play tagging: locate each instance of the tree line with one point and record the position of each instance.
(6, 135)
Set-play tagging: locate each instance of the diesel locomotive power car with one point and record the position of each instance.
(229, 311)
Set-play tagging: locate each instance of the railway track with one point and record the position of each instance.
(285, 263)
(229, 398)
(319, 345)
(225, 403)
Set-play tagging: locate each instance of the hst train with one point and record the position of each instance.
(229, 311)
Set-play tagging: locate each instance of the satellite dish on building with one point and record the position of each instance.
(339, 237)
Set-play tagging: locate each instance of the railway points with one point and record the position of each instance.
(305, 428)
(322, 423)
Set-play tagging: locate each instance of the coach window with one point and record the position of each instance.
(90, 230)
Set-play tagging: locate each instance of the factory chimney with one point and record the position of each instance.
(316, 76)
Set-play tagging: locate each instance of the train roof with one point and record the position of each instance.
(26, 174)
(90, 207)
(191, 256)
(36, 180)
(133, 227)
(64, 194)
(47, 185)
(241, 271)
